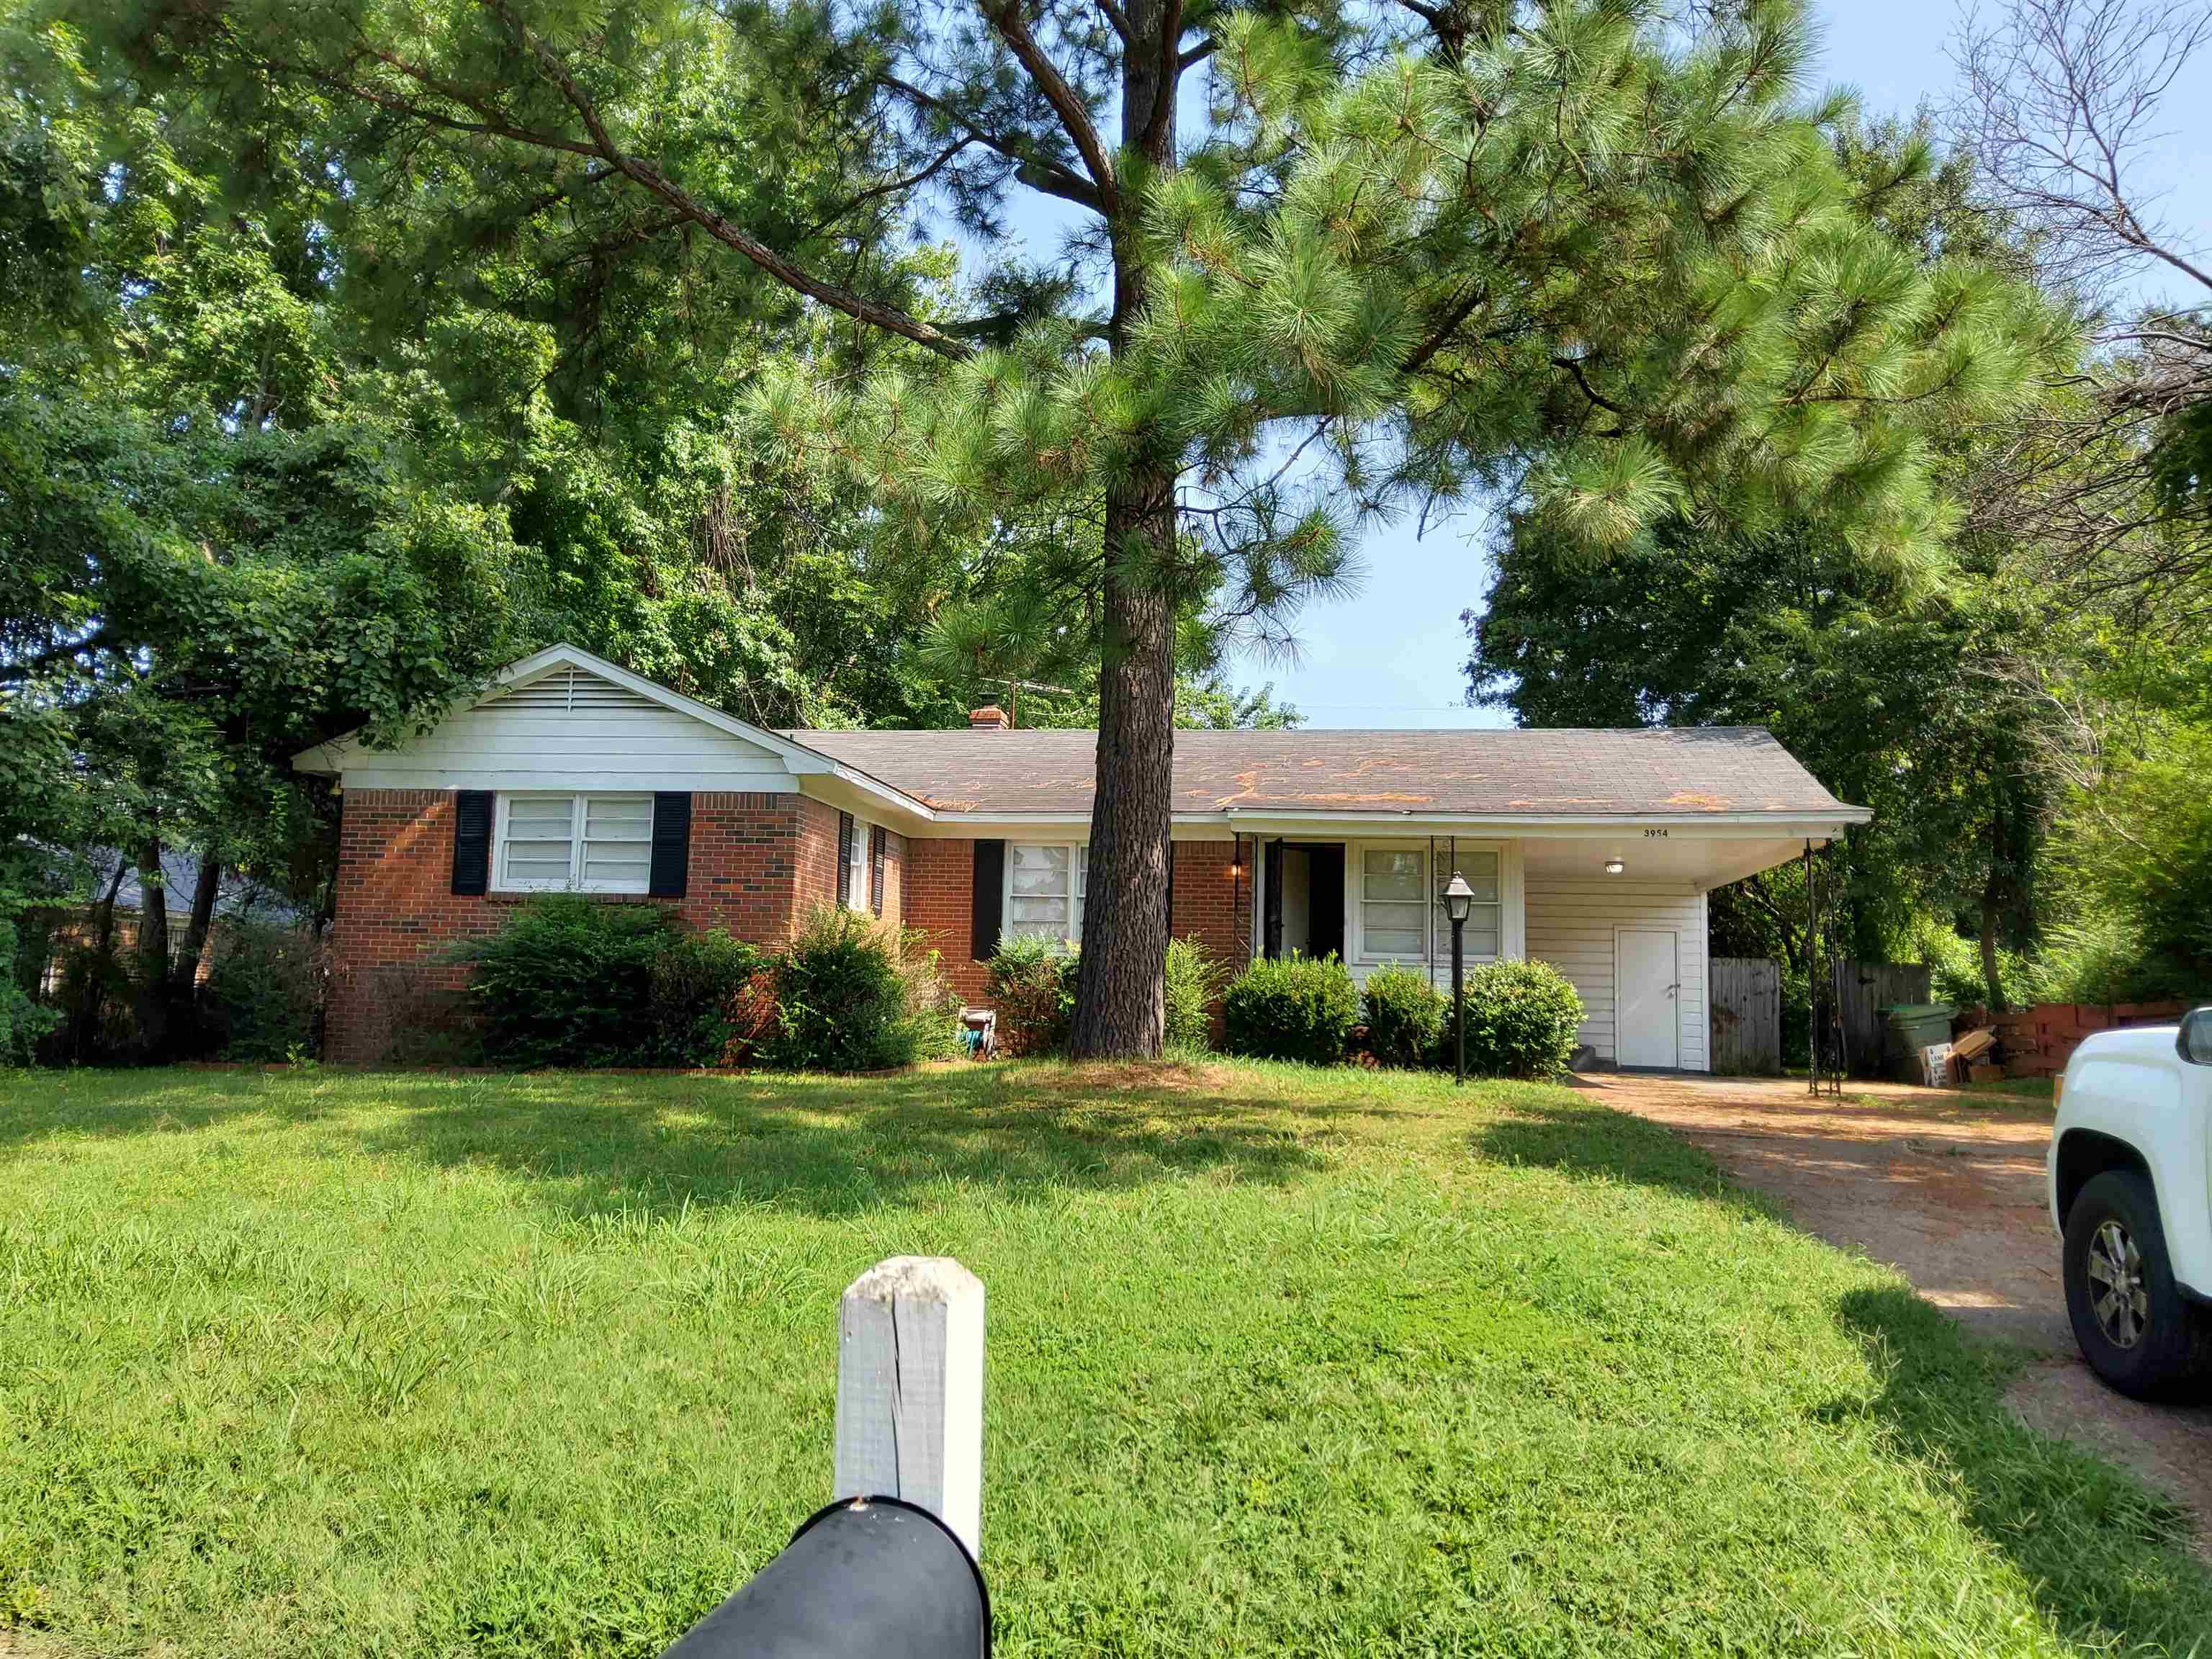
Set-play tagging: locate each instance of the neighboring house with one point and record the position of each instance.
(75, 927)
(1593, 850)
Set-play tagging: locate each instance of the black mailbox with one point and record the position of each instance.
(872, 1576)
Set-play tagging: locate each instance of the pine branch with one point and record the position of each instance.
(1039, 171)
(890, 319)
(1005, 16)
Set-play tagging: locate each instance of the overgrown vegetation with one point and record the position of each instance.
(852, 994)
(1032, 985)
(1418, 1370)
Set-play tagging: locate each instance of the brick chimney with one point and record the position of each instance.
(989, 717)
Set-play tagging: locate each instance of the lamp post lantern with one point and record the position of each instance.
(1458, 897)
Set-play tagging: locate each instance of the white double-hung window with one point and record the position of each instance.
(1045, 886)
(586, 843)
(1394, 920)
(1396, 889)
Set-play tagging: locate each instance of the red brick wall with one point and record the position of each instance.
(2040, 1041)
(1212, 901)
(1213, 898)
(939, 882)
(757, 862)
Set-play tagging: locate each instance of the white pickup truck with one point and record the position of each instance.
(2131, 1194)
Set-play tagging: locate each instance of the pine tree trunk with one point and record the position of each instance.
(1120, 1005)
(1120, 997)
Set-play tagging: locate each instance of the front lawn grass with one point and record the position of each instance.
(1279, 1362)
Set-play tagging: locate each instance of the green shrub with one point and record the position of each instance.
(262, 987)
(1292, 1007)
(568, 981)
(711, 1000)
(1194, 979)
(1520, 1020)
(1405, 1015)
(1032, 986)
(854, 996)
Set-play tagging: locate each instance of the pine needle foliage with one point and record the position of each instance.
(1595, 258)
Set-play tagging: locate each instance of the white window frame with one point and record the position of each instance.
(859, 867)
(1079, 878)
(1355, 860)
(580, 802)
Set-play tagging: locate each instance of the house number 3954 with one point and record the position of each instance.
(1655, 835)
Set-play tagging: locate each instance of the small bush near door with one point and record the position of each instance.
(1405, 1015)
(1292, 1007)
(853, 994)
(1522, 1017)
(1193, 981)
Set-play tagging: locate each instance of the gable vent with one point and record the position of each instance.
(573, 691)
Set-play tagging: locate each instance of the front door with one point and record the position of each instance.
(1647, 987)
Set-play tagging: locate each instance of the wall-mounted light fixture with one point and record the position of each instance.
(1614, 867)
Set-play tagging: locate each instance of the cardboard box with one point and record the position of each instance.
(1985, 1071)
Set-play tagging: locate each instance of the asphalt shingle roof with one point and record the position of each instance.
(1538, 773)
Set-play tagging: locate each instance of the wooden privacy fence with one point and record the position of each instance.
(1864, 989)
(1746, 1012)
(1747, 993)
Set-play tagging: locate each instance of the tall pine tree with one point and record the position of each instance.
(1594, 254)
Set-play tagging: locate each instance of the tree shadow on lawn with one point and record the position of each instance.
(825, 1145)
(1584, 1138)
(2107, 1555)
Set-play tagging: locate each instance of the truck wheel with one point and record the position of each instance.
(2133, 1325)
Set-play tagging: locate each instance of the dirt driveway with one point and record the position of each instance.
(1949, 1189)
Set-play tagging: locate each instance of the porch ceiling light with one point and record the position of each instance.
(1458, 895)
(1614, 867)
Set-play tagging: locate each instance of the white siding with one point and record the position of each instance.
(1571, 925)
(569, 729)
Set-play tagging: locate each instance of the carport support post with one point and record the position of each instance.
(910, 1390)
(1812, 991)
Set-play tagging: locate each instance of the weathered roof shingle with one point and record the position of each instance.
(1481, 774)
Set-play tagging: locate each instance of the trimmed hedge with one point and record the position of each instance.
(1522, 1017)
(1293, 1007)
(1404, 1014)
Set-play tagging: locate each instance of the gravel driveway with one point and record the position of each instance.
(1949, 1189)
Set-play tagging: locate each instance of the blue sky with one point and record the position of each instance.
(1390, 656)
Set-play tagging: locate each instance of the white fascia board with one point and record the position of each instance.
(1564, 826)
(1076, 826)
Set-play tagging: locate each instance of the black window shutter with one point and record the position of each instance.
(845, 857)
(471, 840)
(1170, 890)
(875, 868)
(671, 843)
(990, 880)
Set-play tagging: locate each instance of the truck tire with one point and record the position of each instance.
(2134, 1326)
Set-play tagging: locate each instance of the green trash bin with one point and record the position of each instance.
(1911, 1027)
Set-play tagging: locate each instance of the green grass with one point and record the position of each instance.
(1279, 1362)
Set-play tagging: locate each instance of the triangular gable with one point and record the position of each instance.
(566, 684)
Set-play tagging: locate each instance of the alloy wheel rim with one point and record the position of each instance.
(2117, 1296)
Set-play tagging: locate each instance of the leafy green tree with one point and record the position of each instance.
(1589, 250)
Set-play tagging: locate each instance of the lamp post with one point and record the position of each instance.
(1458, 897)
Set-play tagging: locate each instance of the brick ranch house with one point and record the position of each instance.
(1592, 850)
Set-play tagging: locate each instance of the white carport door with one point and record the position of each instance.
(1648, 1026)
